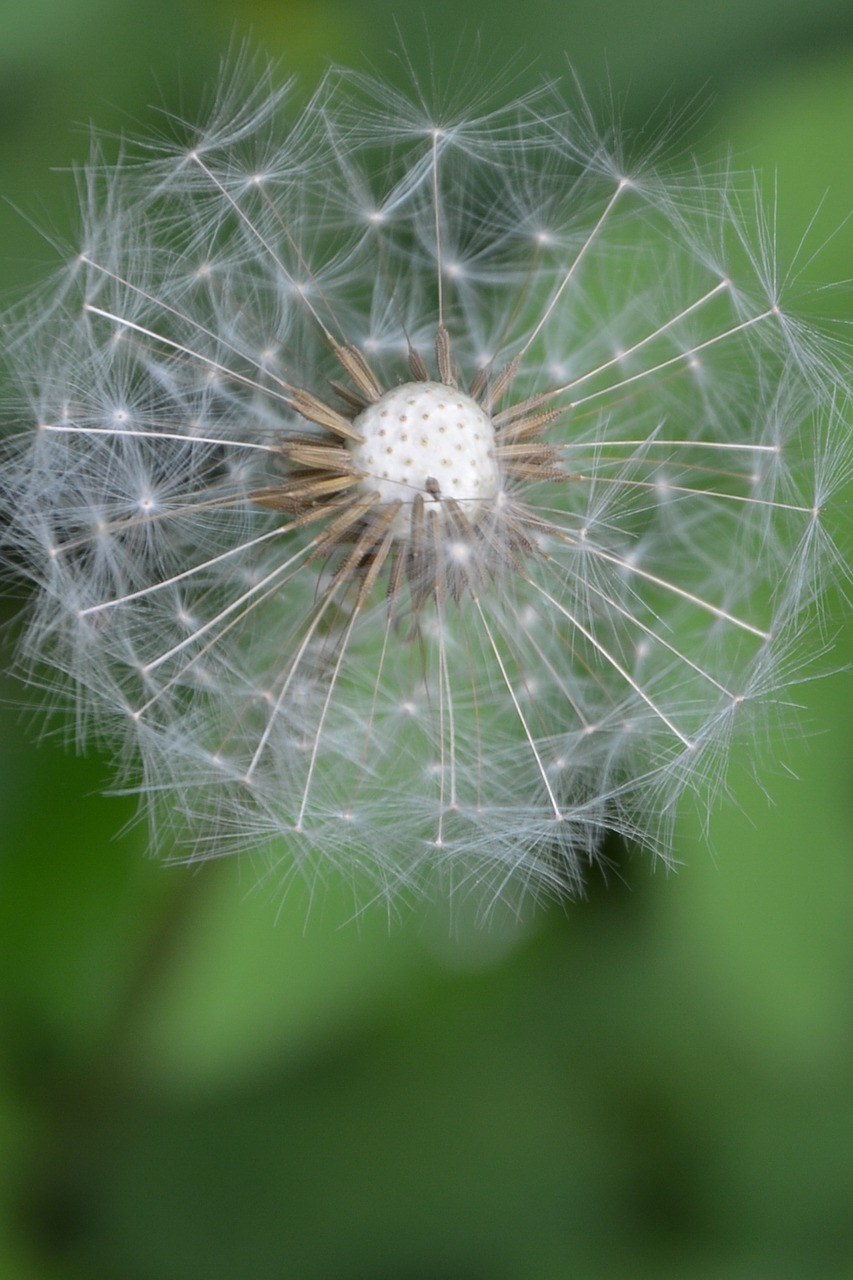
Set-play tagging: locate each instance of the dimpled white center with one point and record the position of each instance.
(425, 431)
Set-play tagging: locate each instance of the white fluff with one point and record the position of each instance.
(559, 661)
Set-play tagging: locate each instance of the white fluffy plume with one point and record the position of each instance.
(536, 611)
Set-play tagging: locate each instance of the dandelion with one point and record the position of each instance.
(415, 490)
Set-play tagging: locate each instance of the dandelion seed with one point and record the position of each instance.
(415, 492)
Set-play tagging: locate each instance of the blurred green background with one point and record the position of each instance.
(200, 1080)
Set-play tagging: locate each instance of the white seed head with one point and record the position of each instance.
(400, 536)
(430, 439)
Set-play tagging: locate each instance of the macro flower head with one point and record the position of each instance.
(417, 492)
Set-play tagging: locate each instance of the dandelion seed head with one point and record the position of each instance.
(417, 492)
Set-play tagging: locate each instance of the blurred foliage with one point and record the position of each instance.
(202, 1077)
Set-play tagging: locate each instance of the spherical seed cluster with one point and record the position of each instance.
(531, 613)
(427, 438)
